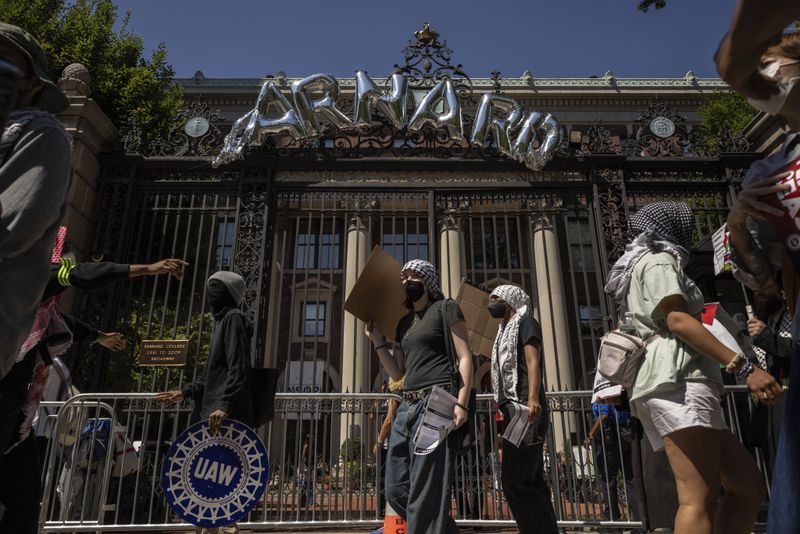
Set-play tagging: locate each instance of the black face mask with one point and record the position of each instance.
(497, 309)
(220, 299)
(414, 290)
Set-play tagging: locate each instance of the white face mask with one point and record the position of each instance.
(774, 103)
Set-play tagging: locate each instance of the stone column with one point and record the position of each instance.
(355, 345)
(453, 259)
(92, 133)
(551, 311)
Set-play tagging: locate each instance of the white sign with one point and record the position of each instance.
(305, 377)
(722, 249)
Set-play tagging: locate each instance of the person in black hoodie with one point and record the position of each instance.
(224, 389)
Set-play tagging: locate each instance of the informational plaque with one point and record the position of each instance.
(378, 293)
(481, 326)
(163, 352)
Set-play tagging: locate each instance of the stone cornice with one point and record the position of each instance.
(688, 83)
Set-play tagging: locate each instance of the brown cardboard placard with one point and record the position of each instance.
(482, 327)
(163, 352)
(378, 293)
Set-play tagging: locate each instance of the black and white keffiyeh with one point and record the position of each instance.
(504, 351)
(657, 227)
(428, 273)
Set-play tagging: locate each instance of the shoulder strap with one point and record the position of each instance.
(448, 336)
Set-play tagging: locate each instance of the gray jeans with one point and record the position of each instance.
(418, 487)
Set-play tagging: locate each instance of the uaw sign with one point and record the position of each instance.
(212, 480)
(529, 137)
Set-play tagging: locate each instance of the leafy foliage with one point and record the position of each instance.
(724, 110)
(645, 5)
(126, 85)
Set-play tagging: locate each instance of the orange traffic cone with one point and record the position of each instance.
(393, 523)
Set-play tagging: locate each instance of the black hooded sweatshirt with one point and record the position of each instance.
(225, 384)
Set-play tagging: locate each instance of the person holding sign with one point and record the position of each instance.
(418, 485)
(676, 395)
(223, 391)
(517, 385)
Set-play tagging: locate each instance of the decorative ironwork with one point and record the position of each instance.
(661, 131)
(598, 140)
(130, 135)
(725, 141)
(427, 62)
(252, 234)
(612, 214)
(497, 82)
(194, 132)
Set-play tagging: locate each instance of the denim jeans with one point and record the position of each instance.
(784, 506)
(418, 487)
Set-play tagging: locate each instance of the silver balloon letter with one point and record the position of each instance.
(486, 120)
(391, 104)
(449, 119)
(545, 129)
(325, 106)
(254, 125)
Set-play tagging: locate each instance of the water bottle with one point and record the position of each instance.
(626, 325)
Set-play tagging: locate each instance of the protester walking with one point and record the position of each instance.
(516, 370)
(676, 394)
(34, 180)
(223, 391)
(418, 485)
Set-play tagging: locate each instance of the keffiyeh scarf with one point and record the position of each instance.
(428, 273)
(657, 227)
(504, 351)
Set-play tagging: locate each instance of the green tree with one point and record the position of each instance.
(724, 112)
(645, 5)
(127, 85)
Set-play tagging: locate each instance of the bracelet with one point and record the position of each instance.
(746, 369)
(731, 366)
(384, 346)
(462, 407)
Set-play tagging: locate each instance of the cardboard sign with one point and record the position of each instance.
(378, 293)
(721, 240)
(163, 352)
(482, 327)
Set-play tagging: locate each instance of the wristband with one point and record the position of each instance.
(746, 369)
(730, 368)
(462, 407)
(383, 346)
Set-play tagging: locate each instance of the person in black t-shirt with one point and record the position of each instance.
(517, 377)
(418, 486)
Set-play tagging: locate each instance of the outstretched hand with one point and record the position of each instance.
(173, 267)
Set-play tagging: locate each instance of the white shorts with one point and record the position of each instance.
(690, 404)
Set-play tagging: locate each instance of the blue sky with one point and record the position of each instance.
(556, 38)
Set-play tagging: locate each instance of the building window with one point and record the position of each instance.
(591, 320)
(495, 244)
(405, 247)
(313, 319)
(317, 251)
(580, 245)
(223, 252)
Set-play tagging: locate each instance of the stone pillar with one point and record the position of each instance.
(355, 345)
(453, 259)
(92, 133)
(551, 311)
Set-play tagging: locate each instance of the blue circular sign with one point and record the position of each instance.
(214, 480)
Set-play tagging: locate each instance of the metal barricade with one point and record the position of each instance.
(325, 464)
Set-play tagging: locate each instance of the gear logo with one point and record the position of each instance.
(214, 480)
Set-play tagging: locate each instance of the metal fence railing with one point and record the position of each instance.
(104, 455)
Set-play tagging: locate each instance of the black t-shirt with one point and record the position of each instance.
(529, 332)
(426, 359)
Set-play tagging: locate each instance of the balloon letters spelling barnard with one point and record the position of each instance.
(531, 139)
